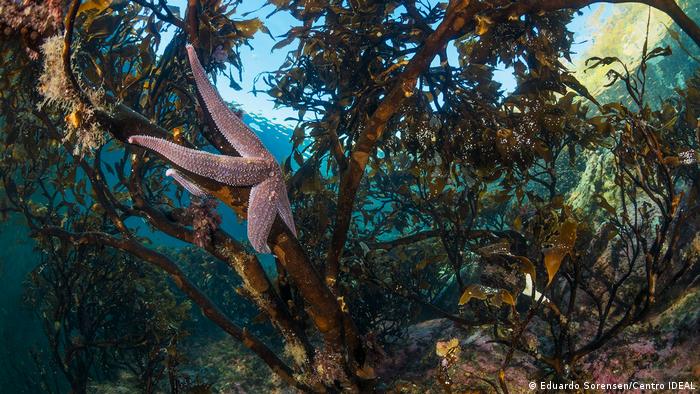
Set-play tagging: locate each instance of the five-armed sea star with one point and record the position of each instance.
(257, 167)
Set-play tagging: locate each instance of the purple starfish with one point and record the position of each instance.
(186, 183)
(257, 167)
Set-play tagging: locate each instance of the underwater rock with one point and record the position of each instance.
(413, 365)
(596, 179)
(657, 351)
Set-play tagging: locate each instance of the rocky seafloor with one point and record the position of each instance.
(661, 349)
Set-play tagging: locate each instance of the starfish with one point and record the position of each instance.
(186, 183)
(256, 167)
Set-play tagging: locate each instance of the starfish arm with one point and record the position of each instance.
(231, 170)
(186, 183)
(262, 210)
(229, 125)
(284, 208)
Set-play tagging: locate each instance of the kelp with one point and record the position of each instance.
(419, 187)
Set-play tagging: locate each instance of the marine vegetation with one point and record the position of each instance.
(95, 324)
(519, 234)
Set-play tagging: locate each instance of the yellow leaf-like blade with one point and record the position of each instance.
(552, 261)
(74, 119)
(518, 222)
(98, 5)
(527, 267)
(472, 291)
(507, 297)
(502, 377)
(366, 373)
(177, 134)
(483, 24)
(563, 245)
(567, 234)
(249, 27)
(445, 348)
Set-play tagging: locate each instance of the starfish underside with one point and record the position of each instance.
(256, 168)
